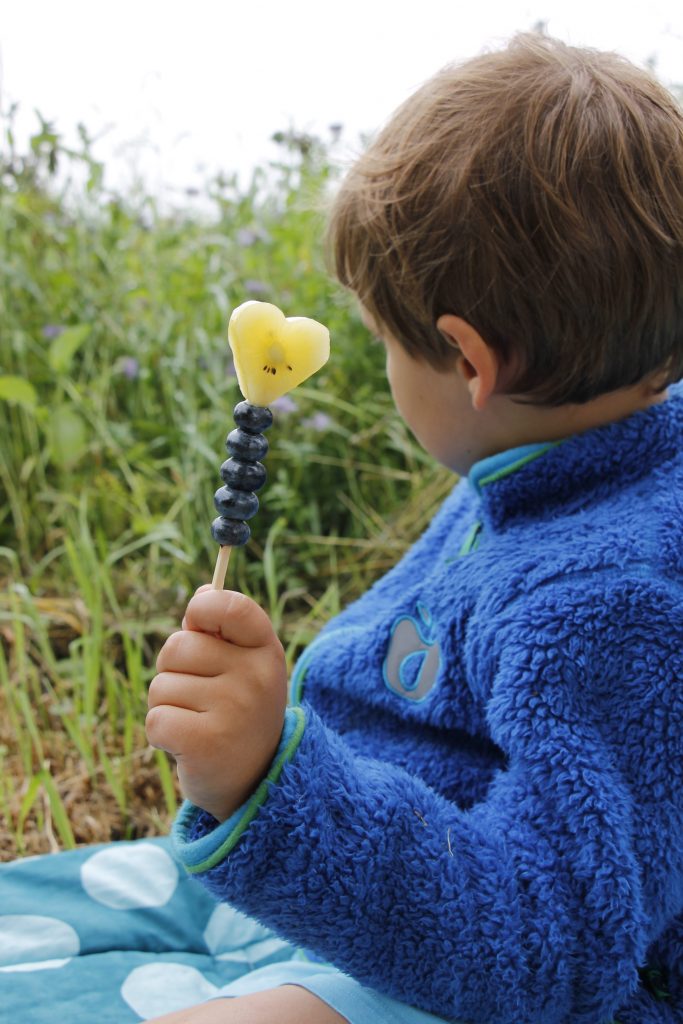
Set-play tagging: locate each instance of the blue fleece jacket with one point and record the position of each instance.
(477, 804)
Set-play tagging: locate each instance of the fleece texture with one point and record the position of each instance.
(482, 813)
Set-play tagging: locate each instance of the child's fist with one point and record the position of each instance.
(218, 702)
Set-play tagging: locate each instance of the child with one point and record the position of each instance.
(473, 806)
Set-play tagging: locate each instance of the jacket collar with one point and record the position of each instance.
(534, 480)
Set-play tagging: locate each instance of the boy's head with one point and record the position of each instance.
(536, 193)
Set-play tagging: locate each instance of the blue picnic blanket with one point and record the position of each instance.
(118, 933)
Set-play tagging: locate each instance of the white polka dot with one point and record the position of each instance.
(39, 965)
(29, 939)
(130, 876)
(229, 929)
(155, 989)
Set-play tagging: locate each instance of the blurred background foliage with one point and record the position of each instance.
(116, 394)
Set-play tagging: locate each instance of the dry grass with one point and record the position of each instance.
(51, 796)
(92, 809)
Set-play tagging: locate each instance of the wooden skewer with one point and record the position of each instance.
(218, 581)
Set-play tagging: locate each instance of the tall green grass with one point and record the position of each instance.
(116, 393)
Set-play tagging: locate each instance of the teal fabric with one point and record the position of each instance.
(357, 1004)
(120, 933)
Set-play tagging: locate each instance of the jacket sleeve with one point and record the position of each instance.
(527, 907)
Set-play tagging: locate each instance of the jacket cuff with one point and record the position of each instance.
(201, 854)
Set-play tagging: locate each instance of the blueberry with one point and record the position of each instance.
(235, 504)
(246, 447)
(243, 476)
(253, 418)
(230, 532)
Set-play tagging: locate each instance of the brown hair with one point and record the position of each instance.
(537, 192)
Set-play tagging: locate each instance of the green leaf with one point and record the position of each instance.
(27, 803)
(19, 391)
(166, 774)
(66, 345)
(59, 814)
(67, 437)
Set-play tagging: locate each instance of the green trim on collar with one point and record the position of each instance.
(496, 467)
(514, 466)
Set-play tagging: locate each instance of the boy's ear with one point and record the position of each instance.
(477, 363)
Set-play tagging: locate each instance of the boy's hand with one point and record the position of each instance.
(218, 702)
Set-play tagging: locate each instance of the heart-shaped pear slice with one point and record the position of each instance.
(274, 353)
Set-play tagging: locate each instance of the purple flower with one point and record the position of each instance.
(246, 237)
(256, 287)
(319, 421)
(249, 236)
(284, 405)
(130, 368)
(52, 331)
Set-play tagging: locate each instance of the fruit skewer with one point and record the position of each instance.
(272, 355)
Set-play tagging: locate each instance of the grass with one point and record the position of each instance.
(116, 393)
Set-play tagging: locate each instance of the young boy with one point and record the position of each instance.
(473, 806)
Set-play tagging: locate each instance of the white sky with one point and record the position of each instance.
(203, 84)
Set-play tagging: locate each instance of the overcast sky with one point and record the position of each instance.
(201, 85)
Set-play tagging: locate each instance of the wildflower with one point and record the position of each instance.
(284, 405)
(256, 287)
(51, 331)
(319, 421)
(246, 237)
(130, 368)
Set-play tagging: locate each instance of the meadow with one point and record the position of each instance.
(116, 394)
